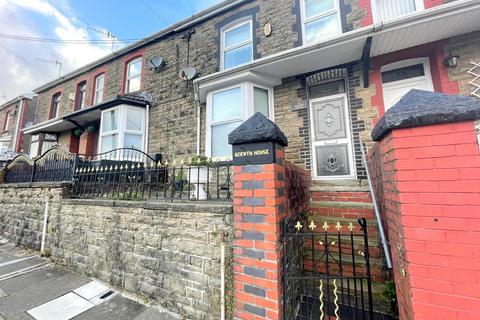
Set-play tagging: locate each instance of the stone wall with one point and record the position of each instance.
(167, 253)
(22, 208)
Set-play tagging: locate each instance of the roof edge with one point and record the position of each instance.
(174, 28)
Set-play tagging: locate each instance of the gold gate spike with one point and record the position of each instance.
(325, 226)
(298, 226)
(312, 225)
(350, 226)
(338, 226)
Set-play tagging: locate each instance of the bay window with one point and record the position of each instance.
(122, 127)
(228, 108)
(237, 44)
(321, 20)
(133, 75)
(98, 90)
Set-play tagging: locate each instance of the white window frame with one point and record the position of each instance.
(247, 93)
(97, 98)
(427, 77)
(59, 94)
(81, 95)
(8, 118)
(128, 78)
(122, 126)
(419, 6)
(335, 10)
(231, 26)
(347, 140)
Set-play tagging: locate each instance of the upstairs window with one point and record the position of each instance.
(133, 76)
(321, 20)
(237, 44)
(8, 118)
(98, 90)
(390, 9)
(80, 95)
(55, 106)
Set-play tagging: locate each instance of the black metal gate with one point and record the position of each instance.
(326, 270)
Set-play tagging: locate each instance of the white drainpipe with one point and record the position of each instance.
(44, 230)
(222, 279)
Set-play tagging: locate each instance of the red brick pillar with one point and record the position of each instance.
(259, 206)
(427, 166)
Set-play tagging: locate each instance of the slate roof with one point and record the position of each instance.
(421, 108)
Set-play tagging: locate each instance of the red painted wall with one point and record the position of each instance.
(428, 181)
(432, 3)
(434, 51)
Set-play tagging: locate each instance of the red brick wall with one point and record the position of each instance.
(435, 53)
(432, 3)
(430, 177)
(263, 196)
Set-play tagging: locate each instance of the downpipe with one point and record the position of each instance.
(377, 210)
(222, 278)
(44, 230)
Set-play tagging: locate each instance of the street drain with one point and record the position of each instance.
(106, 295)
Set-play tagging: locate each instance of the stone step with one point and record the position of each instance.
(338, 204)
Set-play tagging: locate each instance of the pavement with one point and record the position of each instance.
(30, 285)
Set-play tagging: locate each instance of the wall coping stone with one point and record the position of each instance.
(35, 185)
(421, 108)
(257, 128)
(225, 208)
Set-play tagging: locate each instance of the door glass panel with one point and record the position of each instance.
(260, 103)
(329, 120)
(327, 89)
(332, 160)
(321, 29)
(227, 105)
(220, 146)
(134, 119)
(403, 73)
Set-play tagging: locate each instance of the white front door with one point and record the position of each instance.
(400, 77)
(331, 138)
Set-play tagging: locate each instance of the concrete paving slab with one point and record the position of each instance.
(63, 308)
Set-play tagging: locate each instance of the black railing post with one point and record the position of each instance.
(34, 166)
(363, 224)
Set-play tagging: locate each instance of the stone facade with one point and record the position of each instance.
(168, 253)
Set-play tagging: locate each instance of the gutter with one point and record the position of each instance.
(365, 32)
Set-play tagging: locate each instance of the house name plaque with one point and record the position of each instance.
(253, 153)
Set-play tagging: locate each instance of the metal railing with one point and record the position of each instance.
(56, 164)
(131, 174)
(127, 174)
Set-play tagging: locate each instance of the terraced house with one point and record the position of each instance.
(324, 71)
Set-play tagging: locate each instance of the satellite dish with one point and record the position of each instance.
(188, 73)
(157, 63)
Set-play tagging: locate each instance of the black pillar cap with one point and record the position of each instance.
(422, 108)
(257, 128)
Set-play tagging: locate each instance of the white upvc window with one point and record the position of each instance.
(230, 107)
(390, 9)
(320, 20)
(98, 94)
(8, 118)
(236, 44)
(34, 145)
(122, 127)
(133, 76)
(4, 146)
